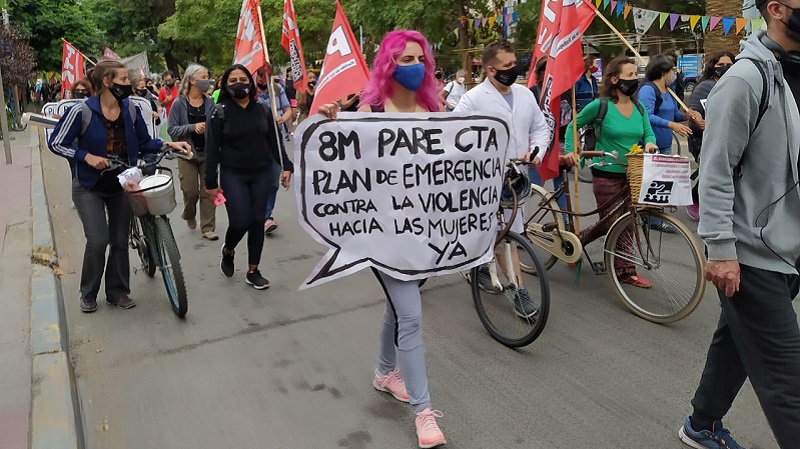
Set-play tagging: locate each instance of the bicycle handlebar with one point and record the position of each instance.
(115, 163)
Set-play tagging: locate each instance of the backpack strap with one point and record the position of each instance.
(763, 105)
(659, 98)
(601, 114)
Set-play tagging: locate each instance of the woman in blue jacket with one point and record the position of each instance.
(111, 131)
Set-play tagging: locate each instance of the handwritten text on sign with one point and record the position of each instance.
(412, 195)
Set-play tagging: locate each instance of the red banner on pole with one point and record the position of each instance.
(344, 70)
(71, 67)
(249, 52)
(567, 20)
(291, 42)
(109, 55)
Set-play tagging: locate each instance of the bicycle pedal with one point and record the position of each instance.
(549, 227)
(599, 268)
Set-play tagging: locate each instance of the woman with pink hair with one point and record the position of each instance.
(403, 81)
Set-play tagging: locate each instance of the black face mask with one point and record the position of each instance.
(151, 89)
(793, 25)
(120, 91)
(312, 84)
(627, 87)
(239, 91)
(438, 76)
(170, 85)
(80, 94)
(507, 77)
(141, 92)
(719, 71)
(263, 86)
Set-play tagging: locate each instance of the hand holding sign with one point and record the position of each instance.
(413, 195)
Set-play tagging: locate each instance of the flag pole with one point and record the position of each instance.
(636, 53)
(271, 85)
(578, 149)
(85, 58)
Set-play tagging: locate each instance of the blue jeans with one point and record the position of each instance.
(272, 189)
(535, 178)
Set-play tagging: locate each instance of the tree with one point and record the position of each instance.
(716, 40)
(17, 58)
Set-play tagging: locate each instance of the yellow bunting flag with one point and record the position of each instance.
(693, 21)
(492, 21)
(598, 2)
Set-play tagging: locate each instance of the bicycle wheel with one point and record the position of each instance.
(672, 262)
(141, 243)
(533, 213)
(496, 308)
(170, 259)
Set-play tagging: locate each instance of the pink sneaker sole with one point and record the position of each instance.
(386, 390)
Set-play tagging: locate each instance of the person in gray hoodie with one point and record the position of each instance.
(750, 222)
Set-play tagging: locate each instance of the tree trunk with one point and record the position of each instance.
(716, 40)
(463, 37)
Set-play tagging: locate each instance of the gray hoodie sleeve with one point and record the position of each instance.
(731, 113)
(178, 126)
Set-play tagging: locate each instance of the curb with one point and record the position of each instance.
(55, 409)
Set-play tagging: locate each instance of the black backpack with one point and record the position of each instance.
(659, 98)
(763, 105)
(591, 133)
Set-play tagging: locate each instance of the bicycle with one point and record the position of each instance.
(585, 173)
(497, 301)
(151, 235)
(680, 284)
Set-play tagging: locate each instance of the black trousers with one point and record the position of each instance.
(246, 193)
(757, 338)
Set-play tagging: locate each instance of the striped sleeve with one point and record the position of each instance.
(66, 131)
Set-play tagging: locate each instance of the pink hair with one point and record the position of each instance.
(380, 86)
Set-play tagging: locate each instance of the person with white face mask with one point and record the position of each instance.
(452, 93)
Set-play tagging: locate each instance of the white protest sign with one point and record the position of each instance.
(413, 195)
(60, 108)
(666, 181)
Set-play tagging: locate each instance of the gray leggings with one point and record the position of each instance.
(401, 338)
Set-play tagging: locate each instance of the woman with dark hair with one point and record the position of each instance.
(82, 89)
(626, 124)
(187, 123)
(719, 63)
(96, 192)
(403, 81)
(241, 141)
(586, 89)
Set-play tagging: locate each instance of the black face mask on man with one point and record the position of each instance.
(793, 25)
(507, 77)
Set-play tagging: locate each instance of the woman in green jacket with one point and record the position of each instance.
(625, 124)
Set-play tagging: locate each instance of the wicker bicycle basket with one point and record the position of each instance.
(635, 171)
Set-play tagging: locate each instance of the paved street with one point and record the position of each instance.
(288, 369)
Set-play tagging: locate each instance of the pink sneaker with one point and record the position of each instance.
(392, 384)
(694, 212)
(428, 432)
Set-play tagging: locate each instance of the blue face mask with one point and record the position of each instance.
(410, 76)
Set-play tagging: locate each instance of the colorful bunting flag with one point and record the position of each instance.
(598, 2)
(626, 11)
(620, 8)
(758, 24)
(693, 21)
(663, 18)
(492, 21)
(740, 24)
(727, 23)
(714, 22)
(673, 20)
(643, 19)
(613, 6)
(685, 17)
(606, 3)
(704, 21)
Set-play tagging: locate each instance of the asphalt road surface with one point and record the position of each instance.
(287, 369)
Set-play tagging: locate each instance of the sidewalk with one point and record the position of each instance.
(15, 273)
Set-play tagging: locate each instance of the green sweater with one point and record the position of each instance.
(618, 134)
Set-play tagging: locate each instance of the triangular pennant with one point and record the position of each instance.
(727, 23)
(740, 24)
(477, 23)
(492, 21)
(626, 11)
(663, 18)
(704, 21)
(456, 32)
(643, 19)
(606, 3)
(758, 24)
(685, 17)
(613, 6)
(597, 3)
(714, 22)
(620, 8)
(673, 20)
(693, 21)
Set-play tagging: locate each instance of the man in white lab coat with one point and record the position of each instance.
(500, 95)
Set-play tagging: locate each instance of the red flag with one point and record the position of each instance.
(249, 52)
(71, 67)
(109, 55)
(291, 42)
(344, 70)
(569, 19)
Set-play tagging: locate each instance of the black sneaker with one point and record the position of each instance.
(123, 303)
(485, 281)
(523, 304)
(88, 305)
(226, 263)
(256, 280)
